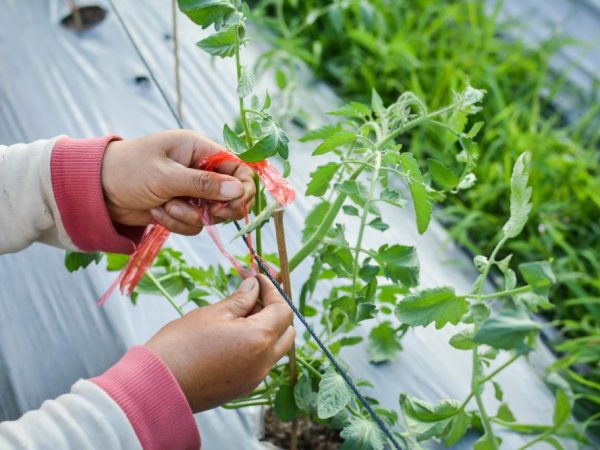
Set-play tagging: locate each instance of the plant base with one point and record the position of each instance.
(312, 435)
(90, 17)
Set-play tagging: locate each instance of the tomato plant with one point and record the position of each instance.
(361, 163)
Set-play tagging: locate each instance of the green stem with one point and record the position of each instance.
(164, 292)
(540, 438)
(363, 220)
(308, 366)
(326, 223)
(506, 293)
(245, 405)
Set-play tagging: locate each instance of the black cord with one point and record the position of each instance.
(348, 380)
(322, 346)
(148, 68)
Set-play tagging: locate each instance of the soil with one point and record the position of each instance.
(312, 435)
(90, 17)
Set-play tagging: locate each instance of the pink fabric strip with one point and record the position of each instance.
(76, 167)
(146, 390)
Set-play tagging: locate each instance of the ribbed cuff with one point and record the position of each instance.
(76, 168)
(146, 390)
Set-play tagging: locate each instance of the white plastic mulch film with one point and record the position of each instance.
(52, 82)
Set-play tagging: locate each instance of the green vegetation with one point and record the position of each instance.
(435, 48)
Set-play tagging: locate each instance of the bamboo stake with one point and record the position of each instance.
(287, 285)
(176, 54)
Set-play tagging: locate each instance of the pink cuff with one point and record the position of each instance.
(76, 167)
(146, 390)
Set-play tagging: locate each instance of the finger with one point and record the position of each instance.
(181, 181)
(172, 224)
(241, 302)
(268, 293)
(257, 308)
(284, 343)
(184, 212)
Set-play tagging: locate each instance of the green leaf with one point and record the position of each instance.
(334, 141)
(486, 443)
(463, 340)
(520, 196)
(539, 276)
(384, 345)
(457, 428)
(77, 260)
(276, 141)
(233, 141)
(304, 395)
(428, 420)
(400, 264)
(314, 219)
(362, 434)
(378, 224)
(498, 392)
(246, 82)
(206, 12)
(506, 330)
(367, 272)
(333, 395)
(321, 133)
(116, 261)
(284, 404)
(441, 175)
(562, 408)
(377, 104)
(421, 199)
(439, 305)
(344, 342)
(321, 178)
(352, 110)
(350, 210)
(223, 43)
(504, 413)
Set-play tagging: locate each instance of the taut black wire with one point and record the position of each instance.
(347, 379)
(322, 346)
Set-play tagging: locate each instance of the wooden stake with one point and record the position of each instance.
(287, 285)
(77, 21)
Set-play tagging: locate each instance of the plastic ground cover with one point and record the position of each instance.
(54, 82)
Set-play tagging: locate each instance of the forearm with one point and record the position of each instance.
(51, 191)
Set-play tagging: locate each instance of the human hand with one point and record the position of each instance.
(143, 179)
(223, 351)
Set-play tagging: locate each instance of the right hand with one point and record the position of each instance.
(223, 351)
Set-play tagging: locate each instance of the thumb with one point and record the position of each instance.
(241, 302)
(186, 182)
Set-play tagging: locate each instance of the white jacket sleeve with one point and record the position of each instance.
(85, 419)
(28, 210)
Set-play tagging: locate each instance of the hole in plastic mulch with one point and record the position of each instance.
(90, 17)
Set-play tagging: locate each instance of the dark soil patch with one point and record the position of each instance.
(90, 17)
(312, 435)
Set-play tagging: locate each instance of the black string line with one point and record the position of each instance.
(347, 378)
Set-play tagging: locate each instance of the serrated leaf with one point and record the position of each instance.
(486, 442)
(384, 344)
(400, 264)
(321, 133)
(116, 261)
(520, 196)
(427, 420)
(276, 141)
(421, 199)
(333, 395)
(457, 428)
(367, 272)
(507, 330)
(321, 178)
(304, 395)
(352, 110)
(362, 434)
(463, 340)
(78, 260)
(223, 43)
(245, 83)
(439, 305)
(441, 175)
(233, 141)
(206, 12)
(334, 141)
(538, 275)
(377, 103)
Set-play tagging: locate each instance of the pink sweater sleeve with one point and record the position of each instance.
(145, 389)
(76, 167)
(140, 383)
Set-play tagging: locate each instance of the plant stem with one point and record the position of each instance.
(245, 405)
(77, 21)
(363, 220)
(287, 285)
(306, 364)
(326, 223)
(506, 293)
(164, 292)
(540, 438)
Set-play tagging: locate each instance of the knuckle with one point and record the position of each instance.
(203, 182)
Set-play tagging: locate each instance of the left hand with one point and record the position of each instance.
(144, 179)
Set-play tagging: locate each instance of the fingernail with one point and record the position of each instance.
(231, 189)
(248, 284)
(176, 210)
